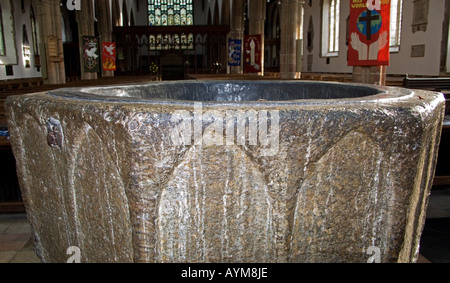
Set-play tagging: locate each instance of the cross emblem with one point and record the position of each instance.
(368, 19)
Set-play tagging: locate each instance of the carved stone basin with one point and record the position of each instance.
(227, 171)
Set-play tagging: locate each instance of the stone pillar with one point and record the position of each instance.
(257, 17)
(290, 24)
(85, 20)
(49, 16)
(104, 27)
(237, 30)
(369, 75)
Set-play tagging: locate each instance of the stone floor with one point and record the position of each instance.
(435, 241)
(16, 245)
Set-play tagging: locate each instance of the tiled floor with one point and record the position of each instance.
(16, 245)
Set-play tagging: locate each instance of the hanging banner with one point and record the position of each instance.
(252, 47)
(369, 32)
(234, 52)
(109, 56)
(91, 54)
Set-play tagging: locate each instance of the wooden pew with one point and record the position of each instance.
(20, 83)
(438, 84)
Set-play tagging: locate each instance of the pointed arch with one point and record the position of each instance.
(34, 30)
(125, 21)
(26, 50)
(209, 17)
(216, 19)
(272, 24)
(132, 22)
(276, 22)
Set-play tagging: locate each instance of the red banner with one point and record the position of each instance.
(109, 56)
(252, 53)
(369, 32)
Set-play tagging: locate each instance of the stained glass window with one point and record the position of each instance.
(171, 41)
(34, 31)
(170, 12)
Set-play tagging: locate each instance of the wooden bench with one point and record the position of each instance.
(327, 77)
(20, 83)
(439, 84)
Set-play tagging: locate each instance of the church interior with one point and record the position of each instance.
(50, 44)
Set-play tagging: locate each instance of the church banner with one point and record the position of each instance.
(252, 53)
(234, 52)
(91, 54)
(369, 32)
(109, 56)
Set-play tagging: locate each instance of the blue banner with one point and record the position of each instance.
(234, 52)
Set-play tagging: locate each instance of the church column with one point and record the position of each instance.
(237, 30)
(369, 75)
(290, 24)
(104, 27)
(49, 15)
(85, 20)
(257, 17)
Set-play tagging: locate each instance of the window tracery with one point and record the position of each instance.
(170, 12)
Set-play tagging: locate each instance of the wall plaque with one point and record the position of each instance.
(418, 50)
(420, 15)
(52, 46)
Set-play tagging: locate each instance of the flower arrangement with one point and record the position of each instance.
(153, 68)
